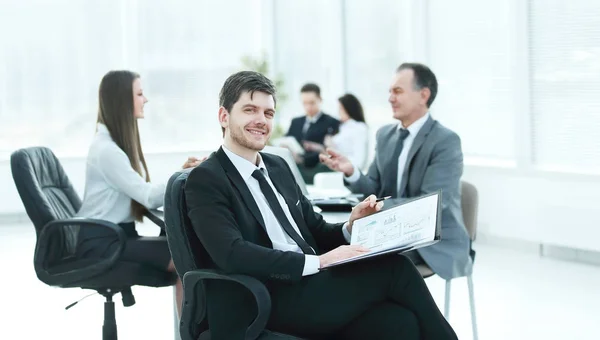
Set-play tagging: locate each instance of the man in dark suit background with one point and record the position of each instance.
(414, 157)
(312, 127)
(253, 219)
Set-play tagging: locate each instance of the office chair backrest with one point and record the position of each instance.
(186, 249)
(47, 195)
(470, 205)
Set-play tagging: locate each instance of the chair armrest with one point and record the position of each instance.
(69, 276)
(156, 216)
(191, 280)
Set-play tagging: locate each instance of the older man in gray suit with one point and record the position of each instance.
(413, 158)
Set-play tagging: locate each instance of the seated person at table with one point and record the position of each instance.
(417, 156)
(117, 182)
(312, 127)
(252, 219)
(353, 138)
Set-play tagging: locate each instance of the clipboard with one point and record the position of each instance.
(401, 247)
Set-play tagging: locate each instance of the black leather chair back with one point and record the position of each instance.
(186, 249)
(43, 186)
(47, 195)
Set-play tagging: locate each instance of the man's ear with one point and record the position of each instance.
(223, 117)
(425, 94)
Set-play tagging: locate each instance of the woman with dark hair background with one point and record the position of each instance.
(352, 140)
(117, 182)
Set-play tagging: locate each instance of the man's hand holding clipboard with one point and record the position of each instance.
(365, 208)
(406, 226)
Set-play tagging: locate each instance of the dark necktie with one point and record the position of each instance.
(390, 178)
(278, 212)
(306, 126)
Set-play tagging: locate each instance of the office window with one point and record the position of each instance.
(185, 51)
(373, 50)
(51, 62)
(53, 58)
(308, 48)
(565, 70)
(471, 53)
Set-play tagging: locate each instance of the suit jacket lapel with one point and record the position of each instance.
(416, 145)
(285, 186)
(239, 183)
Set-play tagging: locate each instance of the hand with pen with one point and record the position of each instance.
(337, 162)
(369, 206)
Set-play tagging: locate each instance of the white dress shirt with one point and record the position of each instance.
(413, 130)
(280, 239)
(111, 183)
(352, 141)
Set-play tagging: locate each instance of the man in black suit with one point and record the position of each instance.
(252, 219)
(314, 126)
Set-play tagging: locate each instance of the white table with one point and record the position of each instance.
(335, 217)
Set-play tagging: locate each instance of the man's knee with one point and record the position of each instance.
(383, 272)
(384, 321)
(397, 321)
(404, 323)
(396, 262)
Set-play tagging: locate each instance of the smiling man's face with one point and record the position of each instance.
(250, 121)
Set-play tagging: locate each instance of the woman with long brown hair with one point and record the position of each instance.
(117, 185)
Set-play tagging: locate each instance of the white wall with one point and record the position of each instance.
(553, 209)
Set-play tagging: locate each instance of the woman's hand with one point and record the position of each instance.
(193, 162)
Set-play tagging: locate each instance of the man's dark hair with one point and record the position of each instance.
(311, 87)
(424, 78)
(244, 81)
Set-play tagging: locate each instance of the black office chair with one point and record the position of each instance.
(51, 202)
(189, 257)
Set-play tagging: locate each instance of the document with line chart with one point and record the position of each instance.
(409, 225)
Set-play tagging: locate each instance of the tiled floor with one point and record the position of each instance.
(518, 296)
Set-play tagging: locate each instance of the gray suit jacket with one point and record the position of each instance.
(435, 161)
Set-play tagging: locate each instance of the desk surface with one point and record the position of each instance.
(335, 217)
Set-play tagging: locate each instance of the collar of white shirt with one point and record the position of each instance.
(101, 128)
(415, 127)
(243, 166)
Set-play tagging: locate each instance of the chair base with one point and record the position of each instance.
(109, 328)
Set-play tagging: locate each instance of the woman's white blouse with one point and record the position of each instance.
(111, 183)
(352, 142)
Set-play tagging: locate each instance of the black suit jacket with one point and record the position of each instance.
(325, 125)
(229, 224)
